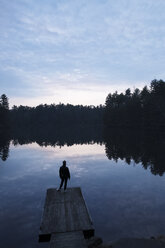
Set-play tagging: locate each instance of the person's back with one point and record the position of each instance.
(64, 175)
(64, 172)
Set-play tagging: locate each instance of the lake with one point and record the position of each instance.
(124, 195)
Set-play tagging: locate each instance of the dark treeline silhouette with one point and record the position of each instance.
(54, 125)
(59, 125)
(145, 108)
(4, 113)
(139, 146)
(56, 116)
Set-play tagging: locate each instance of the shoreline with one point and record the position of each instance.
(152, 242)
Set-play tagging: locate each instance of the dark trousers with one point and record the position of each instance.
(62, 181)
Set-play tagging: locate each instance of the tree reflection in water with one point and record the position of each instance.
(143, 147)
(4, 145)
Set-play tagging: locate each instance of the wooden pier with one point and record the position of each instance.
(66, 221)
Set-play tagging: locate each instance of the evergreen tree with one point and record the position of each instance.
(4, 102)
(4, 112)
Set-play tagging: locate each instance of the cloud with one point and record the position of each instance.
(55, 46)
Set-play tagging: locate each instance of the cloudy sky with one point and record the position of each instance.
(77, 51)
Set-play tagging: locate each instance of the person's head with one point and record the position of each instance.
(64, 163)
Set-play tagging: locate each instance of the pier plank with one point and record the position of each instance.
(65, 212)
(68, 240)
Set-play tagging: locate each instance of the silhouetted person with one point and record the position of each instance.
(64, 175)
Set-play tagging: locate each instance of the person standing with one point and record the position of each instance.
(64, 175)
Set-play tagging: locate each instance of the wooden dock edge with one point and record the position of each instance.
(68, 239)
(46, 237)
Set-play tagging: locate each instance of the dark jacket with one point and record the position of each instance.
(64, 172)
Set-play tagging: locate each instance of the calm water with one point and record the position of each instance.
(123, 199)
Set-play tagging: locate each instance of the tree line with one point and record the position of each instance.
(141, 108)
(60, 115)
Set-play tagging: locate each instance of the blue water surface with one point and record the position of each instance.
(123, 200)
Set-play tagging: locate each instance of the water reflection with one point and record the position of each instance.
(59, 136)
(123, 200)
(4, 146)
(144, 147)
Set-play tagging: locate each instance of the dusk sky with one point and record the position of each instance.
(78, 51)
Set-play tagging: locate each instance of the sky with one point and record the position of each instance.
(79, 51)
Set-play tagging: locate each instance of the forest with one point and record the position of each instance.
(58, 125)
(138, 109)
(56, 115)
(48, 116)
(141, 108)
